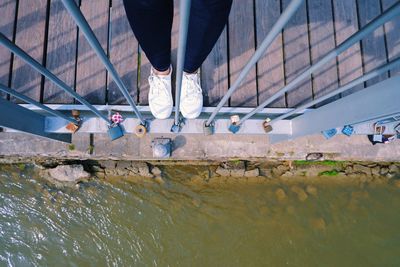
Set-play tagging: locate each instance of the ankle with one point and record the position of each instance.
(161, 73)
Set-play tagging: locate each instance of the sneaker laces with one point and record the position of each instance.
(158, 85)
(193, 88)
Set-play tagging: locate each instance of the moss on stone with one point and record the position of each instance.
(329, 173)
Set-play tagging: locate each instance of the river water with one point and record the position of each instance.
(125, 222)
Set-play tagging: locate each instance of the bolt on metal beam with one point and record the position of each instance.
(389, 14)
(35, 103)
(84, 26)
(276, 29)
(38, 67)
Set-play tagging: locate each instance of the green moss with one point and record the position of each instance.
(329, 173)
(235, 161)
(71, 147)
(325, 162)
(21, 166)
(90, 149)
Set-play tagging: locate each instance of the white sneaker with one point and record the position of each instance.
(191, 102)
(160, 96)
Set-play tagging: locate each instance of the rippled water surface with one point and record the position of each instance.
(179, 223)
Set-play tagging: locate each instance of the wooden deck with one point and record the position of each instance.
(45, 30)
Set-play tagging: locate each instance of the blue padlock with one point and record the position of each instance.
(115, 132)
(329, 133)
(348, 130)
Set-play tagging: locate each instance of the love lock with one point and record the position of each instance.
(208, 130)
(234, 127)
(74, 127)
(267, 127)
(115, 131)
(141, 129)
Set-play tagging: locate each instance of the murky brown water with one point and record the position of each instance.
(180, 223)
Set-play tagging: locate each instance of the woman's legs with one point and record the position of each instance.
(151, 22)
(207, 21)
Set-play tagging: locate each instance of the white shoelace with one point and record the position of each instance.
(158, 85)
(193, 87)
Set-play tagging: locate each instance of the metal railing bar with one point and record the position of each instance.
(37, 66)
(84, 26)
(370, 27)
(183, 32)
(275, 31)
(369, 75)
(35, 103)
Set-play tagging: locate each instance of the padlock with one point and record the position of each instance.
(115, 131)
(208, 130)
(140, 130)
(267, 127)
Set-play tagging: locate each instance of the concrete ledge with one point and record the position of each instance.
(198, 147)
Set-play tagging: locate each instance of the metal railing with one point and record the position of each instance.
(208, 125)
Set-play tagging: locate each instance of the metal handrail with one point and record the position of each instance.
(183, 32)
(370, 27)
(368, 76)
(35, 103)
(84, 26)
(275, 31)
(44, 71)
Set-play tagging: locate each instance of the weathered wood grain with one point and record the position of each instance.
(91, 74)
(123, 54)
(241, 48)
(373, 45)
(7, 19)
(30, 36)
(61, 53)
(392, 36)
(214, 72)
(322, 41)
(297, 55)
(270, 68)
(346, 24)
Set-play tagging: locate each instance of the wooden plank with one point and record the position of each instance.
(322, 41)
(346, 24)
(297, 55)
(241, 48)
(91, 74)
(7, 20)
(392, 36)
(214, 73)
(270, 68)
(61, 53)
(373, 45)
(123, 54)
(30, 35)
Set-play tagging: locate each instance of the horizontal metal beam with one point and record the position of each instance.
(24, 120)
(26, 99)
(373, 103)
(226, 111)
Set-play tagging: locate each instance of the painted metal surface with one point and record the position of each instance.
(340, 90)
(35, 103)
(83, 25)
(275, 31)
(24, 120)
(37, 66)
(369, 105)
(183, 32)
(369, 28)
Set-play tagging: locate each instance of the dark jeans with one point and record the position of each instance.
(151, 22)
